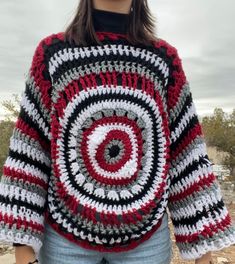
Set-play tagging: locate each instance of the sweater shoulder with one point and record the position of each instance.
(45, 45)
(39, 70)
(166, 46)
(50, 39)
(171, 54)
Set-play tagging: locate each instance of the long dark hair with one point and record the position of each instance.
(141, 28)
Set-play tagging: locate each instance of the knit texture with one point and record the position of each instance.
(107, 138)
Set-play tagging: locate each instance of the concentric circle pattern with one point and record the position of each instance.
(110, 147)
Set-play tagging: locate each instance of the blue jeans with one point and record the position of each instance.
(58, 250)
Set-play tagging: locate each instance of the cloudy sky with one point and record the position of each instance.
(202, 31)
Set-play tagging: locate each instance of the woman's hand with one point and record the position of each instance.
(205, 259)
(24, 254)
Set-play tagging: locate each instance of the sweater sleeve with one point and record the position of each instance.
(26, 170)
(199, 216)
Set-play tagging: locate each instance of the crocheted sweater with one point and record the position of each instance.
(106, 140)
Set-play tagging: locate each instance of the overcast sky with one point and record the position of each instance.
(202, 31)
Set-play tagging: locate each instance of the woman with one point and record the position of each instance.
(106, 140)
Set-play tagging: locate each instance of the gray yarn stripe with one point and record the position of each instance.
(76, 53)
(192, 198)
(34, 114)
(34, 188)
(214, 240)
(78, 72)
(174, 113)
(185, 152)
(92, 226)
(35, 90)
(19, 135)
(28, 231)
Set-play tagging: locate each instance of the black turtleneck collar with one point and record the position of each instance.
(108, 21)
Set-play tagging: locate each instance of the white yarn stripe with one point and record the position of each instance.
(30, 151)
(184, 121)
(77, 72)
(196, 145)
(63, 221)
(72, 54)
(192, 178)
(20, 194)
(25, 168)
(203, 199)
(19, 134)
(186, 230)
(198, 250)
(21, 212)
(36, 91)
(78, 98)
(34, 114)
(184, 92)
(187, 158)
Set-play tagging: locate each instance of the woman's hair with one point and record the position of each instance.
(141, 29)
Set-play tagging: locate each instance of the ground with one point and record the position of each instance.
(225, 256)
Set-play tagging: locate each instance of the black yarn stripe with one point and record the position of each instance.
(13, 201)
(23, 114)
(188, 170)
(172, 79)
(31, 97)
(69, 65)
(119, 78)
(99, 98)
(26, 159)
(101, 236)
(183, 110)
(190, 221)
(192, 123)
(58, 44)
(159, 51)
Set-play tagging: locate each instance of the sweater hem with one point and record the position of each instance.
(101, 248)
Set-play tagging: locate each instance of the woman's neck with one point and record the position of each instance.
(120, 6)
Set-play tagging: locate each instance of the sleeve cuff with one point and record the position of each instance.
(218, 241)
(11, 237)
